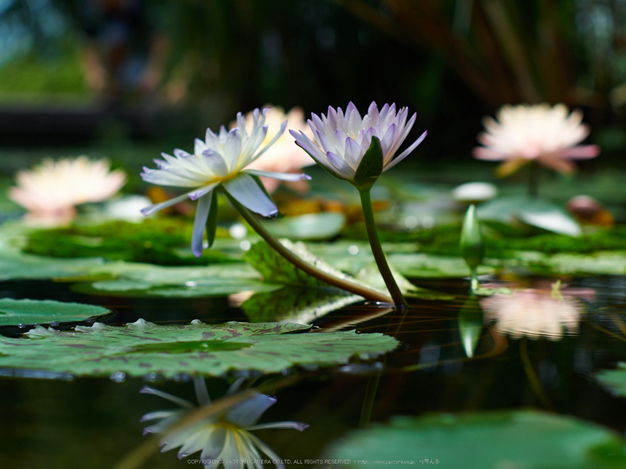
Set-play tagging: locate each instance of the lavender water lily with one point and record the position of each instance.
(358, 150)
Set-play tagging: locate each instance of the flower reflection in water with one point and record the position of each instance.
(224, 438)
(533, 313)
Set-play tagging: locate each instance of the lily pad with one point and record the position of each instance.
(541, 213)
(153, 240)
(15, 312)
(614, 380)
(141, 280)
(521, 439)
(196, 349)
(432, 266)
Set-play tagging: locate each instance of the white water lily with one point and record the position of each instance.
(524, 133)
(51, 190)
(223, 438)
(341, 140)
(283, 156)
(221, 161)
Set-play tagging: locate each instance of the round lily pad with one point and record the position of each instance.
(142, 348)
(520, 439)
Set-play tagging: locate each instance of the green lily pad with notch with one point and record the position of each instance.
(489, 440)
(16, 312)
(196, 349)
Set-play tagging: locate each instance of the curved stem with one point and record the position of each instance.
(377, 250)
(310, 269)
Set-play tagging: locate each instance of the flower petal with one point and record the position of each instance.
(406, 152)
(293, 425)
(160, 206)
(164, 395)
(202, 214)
(280, 176)
(247, 192)
(249, 411)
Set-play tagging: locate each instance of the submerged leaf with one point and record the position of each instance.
(196, 349)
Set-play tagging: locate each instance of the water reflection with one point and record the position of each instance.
(224, 438)
(534, 313)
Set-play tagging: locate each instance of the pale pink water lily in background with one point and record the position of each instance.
(283, 156)
(525, 133)
(51, 190)
(341, 140)
(224, 438)
(533, 313)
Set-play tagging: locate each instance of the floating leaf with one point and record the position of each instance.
(130, 279)
(16, 266)
(614, 380)
(15, 312)
(430, 265)
(541, 213)
(197, 349)
(153, 240)
(521, 439)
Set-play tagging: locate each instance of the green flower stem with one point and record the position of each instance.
(377, 250)
(252, 220)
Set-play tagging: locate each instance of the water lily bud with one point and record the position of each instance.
(472, 248)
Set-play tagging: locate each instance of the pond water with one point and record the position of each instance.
(94, 423)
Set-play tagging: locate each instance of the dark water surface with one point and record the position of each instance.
(93, 423)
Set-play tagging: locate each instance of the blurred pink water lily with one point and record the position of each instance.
(533, 313)
(524, 133)
(283, 156)
(223, 438)
(220, 161)
(51, 190)
(341, 140)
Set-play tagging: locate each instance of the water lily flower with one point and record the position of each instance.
(223, 438)
(340, 141)
(523, 134)
(283, 156)
(533, 313)
(221, 161)
(51, 190)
